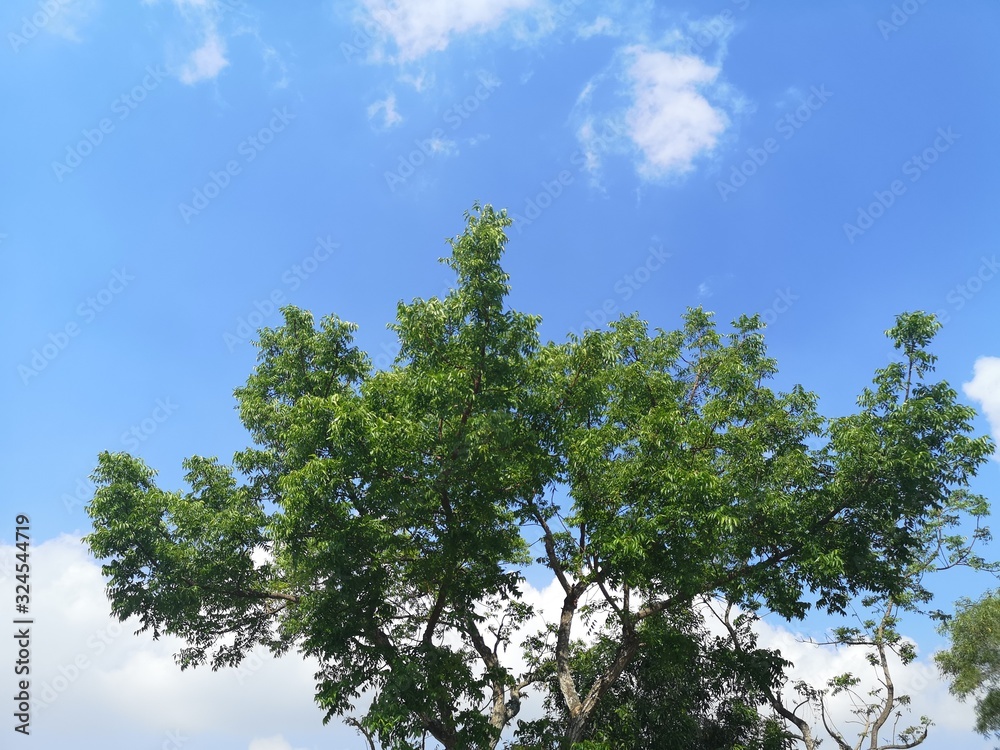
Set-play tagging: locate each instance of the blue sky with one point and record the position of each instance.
(177, 169)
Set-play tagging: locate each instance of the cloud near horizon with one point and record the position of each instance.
(95, 672)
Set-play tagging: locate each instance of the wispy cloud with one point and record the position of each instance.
(205, 52)
(67, 17)
(61, 18)
(420, 81)
(387, 107)
(595, 142)
(443, 147)
(601, 26)
(274, 64)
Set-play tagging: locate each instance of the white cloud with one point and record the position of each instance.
(596, 140)
(65, 17)
(61, 18)
(418, 27)
(443, 147)
(985, 388)
(205, 53)
(403, 31)
(207, 61)
(274, 61)
(664, 103)
(477, 139)
(387, 107)
(602, 25)
(420, 81)
(671, 121)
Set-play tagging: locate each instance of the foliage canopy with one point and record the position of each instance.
(400, 508)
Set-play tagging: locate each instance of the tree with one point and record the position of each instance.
(398, 509)
(973, 661)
